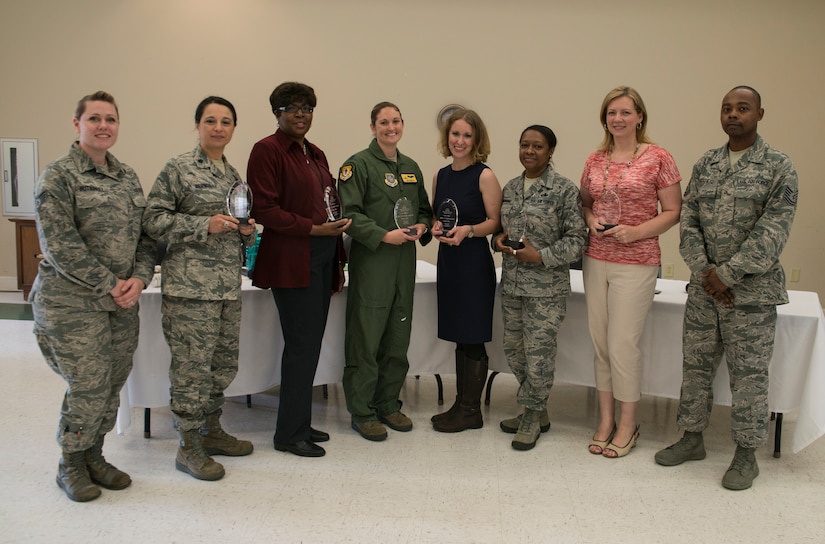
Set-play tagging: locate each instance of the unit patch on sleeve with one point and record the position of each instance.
(345, 173)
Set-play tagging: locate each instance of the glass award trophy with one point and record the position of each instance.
(517, 229)
(404, 215)
(239, 202)
(332, 203)
(448, 215)
(608, 209)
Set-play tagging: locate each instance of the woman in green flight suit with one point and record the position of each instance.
(381, 273)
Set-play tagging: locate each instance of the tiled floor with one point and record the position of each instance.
(417, 487)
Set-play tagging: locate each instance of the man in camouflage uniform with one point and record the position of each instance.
(96, 262)
(736, 218)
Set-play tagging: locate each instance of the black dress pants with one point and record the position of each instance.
(303, 314)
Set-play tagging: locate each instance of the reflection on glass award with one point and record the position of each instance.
(517, 228)
(608, 209)
(404, 215)
(239, 202)
(332, 203)
(448, 215)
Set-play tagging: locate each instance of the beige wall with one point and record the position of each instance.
(516, 62)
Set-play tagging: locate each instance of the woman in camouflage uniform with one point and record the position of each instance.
(96, 262)
(201, 287)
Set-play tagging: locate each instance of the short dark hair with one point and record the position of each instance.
(292, 92)
(754, 91)
(99, 96)
(548, 134)
(380, 106)
(215, 100)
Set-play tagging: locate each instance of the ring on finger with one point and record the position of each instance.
(225, 224)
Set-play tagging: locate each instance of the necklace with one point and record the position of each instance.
(306, 157)
(628, 165)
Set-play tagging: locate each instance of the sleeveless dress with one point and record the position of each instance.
(466, 283)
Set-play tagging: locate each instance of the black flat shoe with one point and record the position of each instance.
(318, 436)
(304, 448)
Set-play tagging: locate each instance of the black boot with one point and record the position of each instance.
(468, 416)
(459, 387)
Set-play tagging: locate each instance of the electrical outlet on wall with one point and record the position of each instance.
(667, 270)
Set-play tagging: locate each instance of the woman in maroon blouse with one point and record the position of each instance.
(301, 256)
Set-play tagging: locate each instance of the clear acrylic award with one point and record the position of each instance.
(404, 214)
(332, 203)
(239, 202)
(608, 209)
(448, 215)
(517, 230)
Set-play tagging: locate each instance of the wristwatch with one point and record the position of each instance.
(472, 231)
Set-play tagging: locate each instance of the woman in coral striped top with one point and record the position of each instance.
(630, 195)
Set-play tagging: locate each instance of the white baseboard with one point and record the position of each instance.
(8, 283)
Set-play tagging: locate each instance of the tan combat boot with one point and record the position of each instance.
(101, 471)
(193, 459)
(73, 477)
(217, 442)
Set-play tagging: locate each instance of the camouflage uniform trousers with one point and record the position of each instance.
(531, 325)
(92, 351)
(745, 335)
(203, 337)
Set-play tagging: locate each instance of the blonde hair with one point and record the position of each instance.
(633, 94)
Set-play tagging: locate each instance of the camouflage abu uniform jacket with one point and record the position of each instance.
(552, 210)
(89, 226)
(739, 219)
(189, 190)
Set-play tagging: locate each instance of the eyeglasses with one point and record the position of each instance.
(292, 108)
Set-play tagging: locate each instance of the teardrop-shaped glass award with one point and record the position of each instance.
(608, 209)
(517, 228)
(404, 215)
(448, 215)
(239, 202)
(332, 203)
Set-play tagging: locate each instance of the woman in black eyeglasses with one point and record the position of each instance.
(301, 256)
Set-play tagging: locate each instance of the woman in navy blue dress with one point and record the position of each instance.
(466, 274)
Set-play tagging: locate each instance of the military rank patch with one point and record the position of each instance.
(790, 196)
(345, 173)
(390, 180)
(408, 178)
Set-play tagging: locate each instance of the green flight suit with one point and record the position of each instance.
(381, 278)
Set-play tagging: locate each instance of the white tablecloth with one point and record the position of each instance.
(797, 369)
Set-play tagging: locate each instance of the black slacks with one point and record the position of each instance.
(303, 314)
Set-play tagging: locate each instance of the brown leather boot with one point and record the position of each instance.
(469, 414)
(459, 387)
(193, 459)
(73, 477)
(217, 442)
